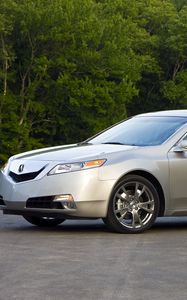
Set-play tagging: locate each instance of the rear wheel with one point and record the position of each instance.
(134, 205)
(44, 221)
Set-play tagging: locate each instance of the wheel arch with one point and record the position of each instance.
(154, 181)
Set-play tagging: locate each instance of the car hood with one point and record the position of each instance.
(72, 153)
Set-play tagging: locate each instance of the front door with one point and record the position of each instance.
(178, 179)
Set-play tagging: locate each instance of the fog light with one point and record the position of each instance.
(67, 201)
(68, 197)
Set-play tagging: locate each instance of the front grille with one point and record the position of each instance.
(26, 176)
(43, 202)
(1, 201)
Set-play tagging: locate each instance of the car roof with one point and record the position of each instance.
(166, 113)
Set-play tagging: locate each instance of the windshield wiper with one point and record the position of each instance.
(118, 143)
(113, 143)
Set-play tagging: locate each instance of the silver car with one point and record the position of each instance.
(128, 175)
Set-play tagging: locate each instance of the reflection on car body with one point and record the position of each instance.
(128, 175)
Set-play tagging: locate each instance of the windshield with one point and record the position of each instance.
(140, 131)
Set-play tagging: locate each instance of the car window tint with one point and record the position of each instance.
(185, 138)
(141, 131)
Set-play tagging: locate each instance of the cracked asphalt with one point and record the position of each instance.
(83, 260)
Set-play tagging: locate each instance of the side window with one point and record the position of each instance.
(184, 138)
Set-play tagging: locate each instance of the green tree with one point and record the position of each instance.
(8, 128)
(69, 68)
(159, 89)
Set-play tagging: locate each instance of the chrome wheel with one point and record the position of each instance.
(133, 206)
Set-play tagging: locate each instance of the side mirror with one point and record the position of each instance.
(181, 147)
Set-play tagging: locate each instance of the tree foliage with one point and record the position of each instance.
(69, 68)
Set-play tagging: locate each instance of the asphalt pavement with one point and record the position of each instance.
(83, 260)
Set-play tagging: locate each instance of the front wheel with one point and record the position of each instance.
(134, 205)
(44, 221)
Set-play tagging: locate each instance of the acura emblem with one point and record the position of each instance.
(20, 169)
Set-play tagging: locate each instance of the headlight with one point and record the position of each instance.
(65, 168)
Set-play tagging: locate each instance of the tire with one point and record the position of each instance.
(133, 206)
(43, 221)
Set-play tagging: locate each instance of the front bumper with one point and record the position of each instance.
(90, 194)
